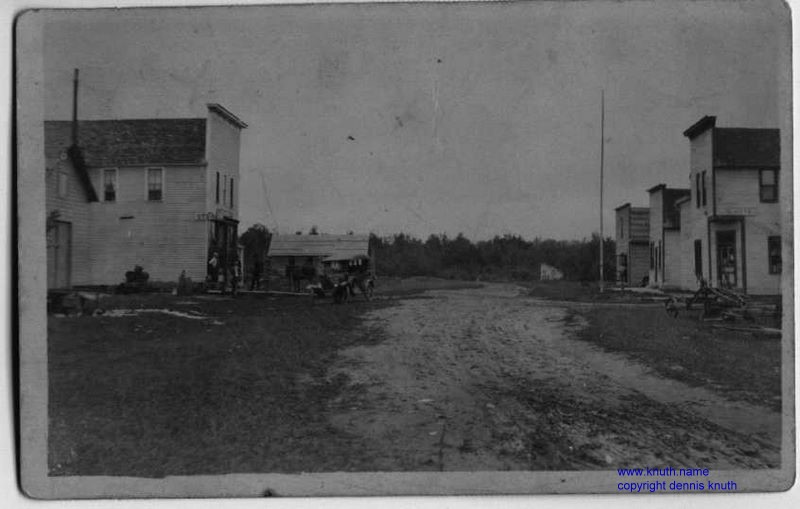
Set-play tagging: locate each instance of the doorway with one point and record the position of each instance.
(726, 259)
(59, 255)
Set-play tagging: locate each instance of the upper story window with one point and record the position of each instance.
(224, 189)
(110, 185)
(703, 188)
(217, 187)
(768, 185)
(231, 191)
(697, 189)
(620, 228)
(155, 184)
(62, 184)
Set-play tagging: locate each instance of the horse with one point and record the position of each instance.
(365, 284)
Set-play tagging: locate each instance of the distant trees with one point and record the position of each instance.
(502, 257)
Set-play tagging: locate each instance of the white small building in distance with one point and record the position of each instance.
(549, 273)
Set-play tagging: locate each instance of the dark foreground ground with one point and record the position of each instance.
(464, 377)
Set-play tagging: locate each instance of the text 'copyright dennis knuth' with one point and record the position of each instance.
(669, 479)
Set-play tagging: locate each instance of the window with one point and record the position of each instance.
(697, 189)
(62, 184)
(620, 228)
(698, 258)
(155, 184)
(768, 185)
(110, 185)
(703, 185)
(224, 189)
(659, 257)
(774, 254)
(231, 200)
(652, 256)
(217, 187)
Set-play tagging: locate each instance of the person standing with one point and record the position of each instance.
(213, 268)
(256, 279)
(235, 276)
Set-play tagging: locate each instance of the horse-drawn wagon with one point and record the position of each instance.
(325, 265)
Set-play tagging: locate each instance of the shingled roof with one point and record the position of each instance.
(339, 247)
(131, 142)
(746, 148)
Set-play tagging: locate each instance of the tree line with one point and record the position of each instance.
(506, 257)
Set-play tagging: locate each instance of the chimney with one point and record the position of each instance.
(75, 110)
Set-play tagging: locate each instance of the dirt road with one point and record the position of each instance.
(487, 379)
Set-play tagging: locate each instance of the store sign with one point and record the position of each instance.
(738, 211)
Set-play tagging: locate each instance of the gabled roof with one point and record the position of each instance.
(131, 142)
(737, 147)
(342, 247)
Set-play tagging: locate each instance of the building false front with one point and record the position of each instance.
(632, 236)
(732, 221)
(158, 193)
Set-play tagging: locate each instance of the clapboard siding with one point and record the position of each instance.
(759, 280)
(632, 234)
(733, 195)
(738, 193)
(223, 157)
(639, 223)
(164, 237)
(671, 276)
(686, 277)
(700, 155)
(73, 207)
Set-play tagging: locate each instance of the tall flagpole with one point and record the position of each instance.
(602, 156)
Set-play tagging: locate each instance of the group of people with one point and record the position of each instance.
(232, 273)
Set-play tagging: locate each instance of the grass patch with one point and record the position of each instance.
(739, 365)
(154, 394)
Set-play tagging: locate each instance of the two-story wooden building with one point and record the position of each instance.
(666, 250)
(632, 244)
(732, 221)
(159, 193)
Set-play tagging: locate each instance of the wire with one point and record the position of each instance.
(266, 199)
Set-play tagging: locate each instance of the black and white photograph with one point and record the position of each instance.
(461, 248)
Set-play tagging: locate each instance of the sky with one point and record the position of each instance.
(447, 118)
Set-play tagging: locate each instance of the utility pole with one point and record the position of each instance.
(602, 157)
(75, 109)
